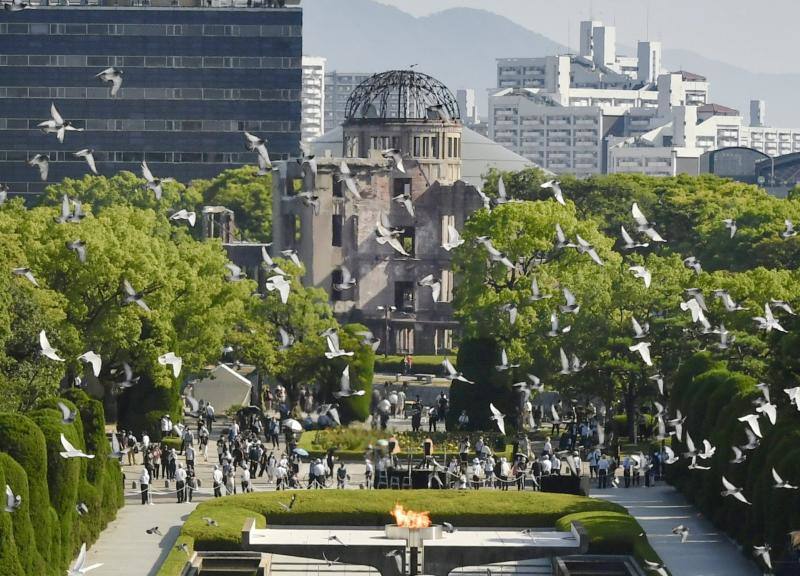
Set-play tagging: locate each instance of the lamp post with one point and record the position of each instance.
(387, 311)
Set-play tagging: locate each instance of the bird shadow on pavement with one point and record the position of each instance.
(167, 543)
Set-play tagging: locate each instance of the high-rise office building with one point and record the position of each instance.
(195, 77)
(338, 87)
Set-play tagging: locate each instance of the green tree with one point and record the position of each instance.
(247, 194)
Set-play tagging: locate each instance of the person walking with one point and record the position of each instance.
(187, 439)
(180, 483)
(216, 478)
(342, 477)
(191, 484)
(144, 484)
(210, 417)
(156, 454)
(172, 464)
(626, 471)
(369, 473)
(203, 437)
(189, 457)
(133, 448)
(602, 471)
(245, 479)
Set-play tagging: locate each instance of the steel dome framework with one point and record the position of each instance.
(401, 95)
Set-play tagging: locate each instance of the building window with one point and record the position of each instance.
(404, 296)
(338, 190)
(340, 295)
(402, 186)
(426, 147)
(447, 221)
(337, 226)
(406, 238)
(404, 341)
(446, 294)
(435, 146)
(416, 146)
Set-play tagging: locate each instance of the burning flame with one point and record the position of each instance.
(410, 519)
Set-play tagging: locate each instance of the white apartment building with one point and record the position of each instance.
(313, 97)
(562, 139)
(338, 87)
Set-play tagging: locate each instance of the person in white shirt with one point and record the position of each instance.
(210, 416)
(594, 458)
(627, 464)
(319, 474)
(166, 426)
(576, 458)
(547, 466)
(548, 447)
(281, 475)
(144, 483)
(216, 476)
(245, 479)
(488, 470)
(145, 442)
(180, 483)
(189, 457)
(368, 472)
(505, 471)
(556, 464)
(603, 467)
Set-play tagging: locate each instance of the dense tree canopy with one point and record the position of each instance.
(194, 309)
(754, 266)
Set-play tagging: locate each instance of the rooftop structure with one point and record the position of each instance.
(401, 95)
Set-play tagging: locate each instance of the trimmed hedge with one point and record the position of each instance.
(371, 508)
(393, 364)
(43, 536)
(612, 533)
(713, 398)
(9, 560)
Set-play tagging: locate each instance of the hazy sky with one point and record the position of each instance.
(759, 36)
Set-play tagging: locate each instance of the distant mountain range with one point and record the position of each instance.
(459, 47)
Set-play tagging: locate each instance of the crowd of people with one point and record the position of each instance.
(255, 447)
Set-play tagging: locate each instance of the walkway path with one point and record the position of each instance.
(125, 548)
(707, 552)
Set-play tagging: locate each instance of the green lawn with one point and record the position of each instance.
(612, 530)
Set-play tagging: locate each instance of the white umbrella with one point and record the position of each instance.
(293, 425)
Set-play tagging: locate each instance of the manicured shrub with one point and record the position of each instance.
(47, 531)
(713, 398)
(63, 475)
(24, 534)
(612, 533)
(9, 560)
(22, 439)
(362, 366)
(476, 361)
(420, 365)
